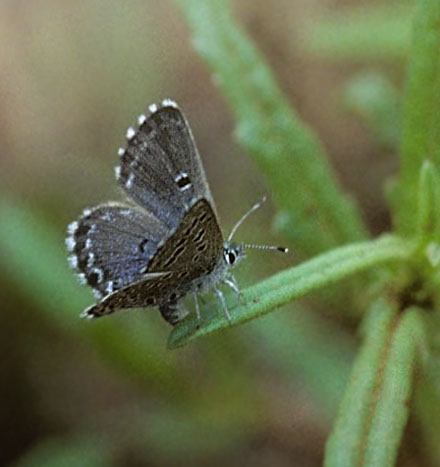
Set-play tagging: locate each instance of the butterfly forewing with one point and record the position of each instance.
(160, 168)
(192, 252)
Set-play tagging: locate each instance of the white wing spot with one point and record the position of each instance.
(141, 119)
(82, 279)
(99, 273)
(130, 133)
(86, 212)
(70, 243)
(125, 212)
(73, 261)
(106, 217)
(88, 243)
(97, 294)
(90, 260)
(117, 172)
(72, 228)
(109, 288)
(121, 152)
(130, 180)
(152, 108)
(169, 103)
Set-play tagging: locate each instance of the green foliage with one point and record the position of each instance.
(353, 419)
(428, 216)
(391, 410)
(309, 349)
(286, 150)
(317, 216)
(74, 452)
(373, 97)
(421, 118)
(346, 35)
(374, 408)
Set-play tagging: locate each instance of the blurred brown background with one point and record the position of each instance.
(73, 77)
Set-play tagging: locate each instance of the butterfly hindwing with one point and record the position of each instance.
(160, 168)
(111, 245)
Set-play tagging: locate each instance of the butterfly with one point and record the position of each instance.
(165, 243)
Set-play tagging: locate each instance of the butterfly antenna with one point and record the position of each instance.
(245, 216)
(267, 247)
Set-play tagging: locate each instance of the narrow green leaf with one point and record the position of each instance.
(393, 396)
(344, 445)
(296, 282)
(286, 150)
(427, 200)
(67, 451)
(344, 34)
(421, 119)
(375, 99)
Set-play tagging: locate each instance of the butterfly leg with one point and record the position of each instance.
(222, 301)
(231, 282)
(196, 301)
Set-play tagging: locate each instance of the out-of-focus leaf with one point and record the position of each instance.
(344, 446)
(428, 216)
(58, 452)
(390, 413)
(421, 118)
(366, 32)
(308, 350)
(373, 97)
(286, 150)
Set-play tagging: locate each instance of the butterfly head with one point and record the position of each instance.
(233, 253)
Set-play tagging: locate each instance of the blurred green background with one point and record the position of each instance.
(73, 77)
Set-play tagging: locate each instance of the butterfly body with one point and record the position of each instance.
(167, 244)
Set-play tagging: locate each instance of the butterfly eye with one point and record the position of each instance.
(231, 258)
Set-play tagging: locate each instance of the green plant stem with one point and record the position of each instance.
(426, 200)
(321, 271)
(286, 150)
(374, 408)
(344, 445)
(421, 118)
(391, 411)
